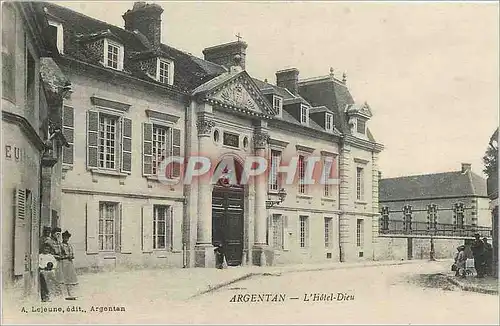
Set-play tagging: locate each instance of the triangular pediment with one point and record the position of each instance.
(236, 91)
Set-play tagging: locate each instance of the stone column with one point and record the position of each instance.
(345, 199)
(376, 216)
(260, 221)
(204, 255)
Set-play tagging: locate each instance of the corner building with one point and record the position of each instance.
(137, 101)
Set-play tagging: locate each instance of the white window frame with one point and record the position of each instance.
(302, 186)
(274, 177)
(168, 228)
(170, 65)
(360, 232)
(108, 42)
(360, 183)
(304, 109)
(278, 229)
(117, 142)
(278, 104)
(60, 35)
(328, 228)
(327, 188)
(167, 151)
(101, 228)
(329, 122)
(304, 231)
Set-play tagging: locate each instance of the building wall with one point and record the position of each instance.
(83, 190)
(20, 164)
(473, 207)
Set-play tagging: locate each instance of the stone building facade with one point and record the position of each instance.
(137, 102)
(448, 207)
(32, 93)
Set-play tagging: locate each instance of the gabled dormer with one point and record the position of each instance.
(104, 47)
(323, 117)
(358, 115)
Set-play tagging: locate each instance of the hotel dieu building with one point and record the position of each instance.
(136, 101)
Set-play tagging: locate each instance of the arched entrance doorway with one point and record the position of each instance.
(228, 212)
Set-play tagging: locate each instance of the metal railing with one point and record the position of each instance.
(440, 229)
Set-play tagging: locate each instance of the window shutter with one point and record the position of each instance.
(176, 227)
(270, 230)
(92, 236)
(68, 130)
(147, 148)
(286, 238)
(176, 151)
(126, 158)
(129, 227)
(147, 228)
(20, 232)
(92, 138)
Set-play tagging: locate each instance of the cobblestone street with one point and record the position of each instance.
(381, 294)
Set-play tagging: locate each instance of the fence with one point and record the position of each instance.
(425, 228)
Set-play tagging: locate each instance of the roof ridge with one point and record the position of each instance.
(420, 175)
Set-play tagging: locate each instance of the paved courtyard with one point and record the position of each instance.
(378, 294)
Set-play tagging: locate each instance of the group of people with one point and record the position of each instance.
(482, 252)
(57, 272)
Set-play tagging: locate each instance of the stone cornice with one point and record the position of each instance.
(327, 153)
(301, 130)
(25, 127)
(107, 103)
(162, 116)
(363, 144)
(278, 143)
(302, 148)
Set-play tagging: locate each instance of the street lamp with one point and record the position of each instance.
(281, 197)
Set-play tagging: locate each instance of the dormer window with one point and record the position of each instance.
(165, 71)
(278, 104)
(361, 126)
(113, 55)
(56, 35)
(304, 115)
(329, 122)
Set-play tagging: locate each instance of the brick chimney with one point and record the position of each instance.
(466, 167)
(228, 54)
(289, 79)
(145, 18)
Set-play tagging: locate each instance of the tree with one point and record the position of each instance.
(490, 159)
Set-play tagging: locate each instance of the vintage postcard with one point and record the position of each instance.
(244, 162)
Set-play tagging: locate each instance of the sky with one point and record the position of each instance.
(429, 71)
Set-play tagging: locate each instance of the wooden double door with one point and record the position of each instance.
(228, 222)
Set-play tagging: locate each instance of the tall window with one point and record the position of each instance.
(459, 215)
(328, 232)
(304, 231)
(108, 226)
(359, 232)
(161, 145)
(8, 52)
(278, 104)
(162, 227)
(164, 71)
(432, 216)
(329, 122)
(361, 126)
(304, 114)
(56, 35)
(327, 188)
(360, 191)
(277, 231)
(407, 217)
(302, 167)
(274, 177)
(107, 141)
(384, 222)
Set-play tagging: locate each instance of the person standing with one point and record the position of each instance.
(488, 257)
(45, 238)
(54, 243)
(47, 263)
(461, 261)
(477, 248)
(67, 273)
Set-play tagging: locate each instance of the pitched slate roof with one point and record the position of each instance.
(437, 185)
(190, 71)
